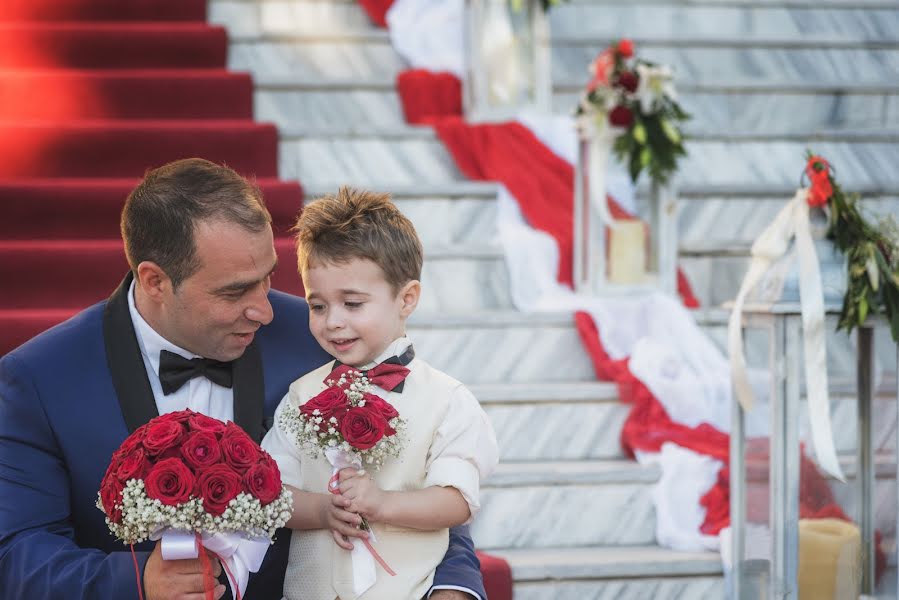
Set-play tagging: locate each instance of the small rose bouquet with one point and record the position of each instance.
(637, 101)
(347, 419)
(350, 426)
(192, 480)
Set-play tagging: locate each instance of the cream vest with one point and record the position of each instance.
(319, 569)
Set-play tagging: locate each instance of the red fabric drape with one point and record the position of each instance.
(377, 10)
(426, 96)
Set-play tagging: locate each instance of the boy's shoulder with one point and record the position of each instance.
(310, 384)
(429, 375)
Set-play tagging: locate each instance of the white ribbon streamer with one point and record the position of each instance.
(602, 139)
(791, 222)
(364, 570)
(242, 555)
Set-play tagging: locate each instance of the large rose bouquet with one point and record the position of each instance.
(637, 100)
(186, 475)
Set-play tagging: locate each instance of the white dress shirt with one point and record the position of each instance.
(199, 394)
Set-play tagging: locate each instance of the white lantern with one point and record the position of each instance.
(508, 59)
(611, 256)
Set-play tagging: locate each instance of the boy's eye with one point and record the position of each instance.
(352, 304)
(316, 307)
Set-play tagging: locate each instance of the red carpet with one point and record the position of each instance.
(92, 94)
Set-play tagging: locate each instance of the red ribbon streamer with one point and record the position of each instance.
(334, 488)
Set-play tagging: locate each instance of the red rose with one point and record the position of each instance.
(384, 408)
(621, 116)
(263, 480)
(133, 441)
(163, 434)
(217, 486)
(170, 482)
(363, 427)
(110, 495)
(628, 80)
(625, 48)
(133, 466)
(332, 402)
(240, 452)
(201, 449)
(200, 422)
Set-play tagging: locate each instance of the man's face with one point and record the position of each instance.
(354, 313)
(216, 311)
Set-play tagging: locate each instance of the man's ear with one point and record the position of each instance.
(153, 281)
(409, 296)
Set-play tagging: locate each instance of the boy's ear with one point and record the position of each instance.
(409, 295)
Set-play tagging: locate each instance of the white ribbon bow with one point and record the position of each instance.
(242, 556)
(791, 222)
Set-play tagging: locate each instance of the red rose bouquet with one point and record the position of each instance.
(351, 427)
(187, 478)
(633, 102)
(347, 418)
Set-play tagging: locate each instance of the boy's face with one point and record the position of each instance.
(354, 313)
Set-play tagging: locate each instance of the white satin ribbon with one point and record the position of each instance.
(791, 222)
(364, 569)
(242, 556)
(602, 138)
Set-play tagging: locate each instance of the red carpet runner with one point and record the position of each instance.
(92, 94)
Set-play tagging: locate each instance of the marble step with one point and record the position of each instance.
(601, 19)
(459, 213)
(741, 20)
(554, 421)
(403, 156)
(566, 504)
(318, 102)
(465, 279)
(502, 346)
(369, 55)
(614, 573)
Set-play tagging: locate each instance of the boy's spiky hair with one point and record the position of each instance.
(359, 224)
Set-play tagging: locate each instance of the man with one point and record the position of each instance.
(199, 242)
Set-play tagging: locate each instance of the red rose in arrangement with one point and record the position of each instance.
(162, 435)
(628, 80)
(170, 482)
(238, 450)
(331, 402)
(200, 422)
(263, 480)
(133, 466)
(217, 486)
(201, 449)
(363, 427)
(621, 116)
(625, 48)
(110, 494)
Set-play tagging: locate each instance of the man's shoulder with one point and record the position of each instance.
(73, 337)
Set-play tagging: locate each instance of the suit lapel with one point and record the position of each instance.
(129, 375)
(249, 392)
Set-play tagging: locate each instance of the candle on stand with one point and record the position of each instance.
(627, 252)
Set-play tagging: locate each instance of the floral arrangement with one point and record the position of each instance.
(637, 98)
(346, 416)
(872, 251)
(189, 472)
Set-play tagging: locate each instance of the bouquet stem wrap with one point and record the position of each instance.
(792, 221)
(239, 556)
(363, 556)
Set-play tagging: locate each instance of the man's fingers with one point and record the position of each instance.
(185, 566)
(216, 564)
(217, 593)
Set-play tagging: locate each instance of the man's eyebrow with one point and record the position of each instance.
(239, 286)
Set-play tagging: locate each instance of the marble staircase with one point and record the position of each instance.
(764, 79)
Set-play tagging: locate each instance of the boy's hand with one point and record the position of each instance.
(342, 523)
(366, 498)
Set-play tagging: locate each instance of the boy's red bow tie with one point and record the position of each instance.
(389, 375)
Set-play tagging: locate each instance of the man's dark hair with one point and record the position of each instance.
(161, 213)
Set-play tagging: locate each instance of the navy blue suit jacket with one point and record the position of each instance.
(70, 396)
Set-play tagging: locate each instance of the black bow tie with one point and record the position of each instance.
(175, 371)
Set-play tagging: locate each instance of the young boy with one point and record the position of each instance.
(360, 260)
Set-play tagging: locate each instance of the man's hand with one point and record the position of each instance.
(366, 498)
(451, 595)
(178, 579)
(342, 523)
